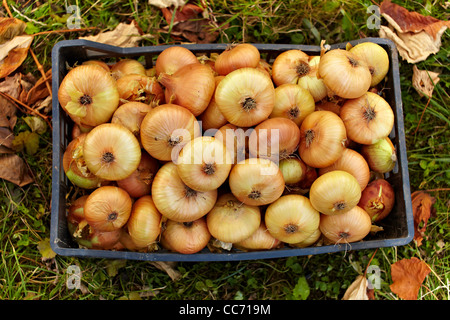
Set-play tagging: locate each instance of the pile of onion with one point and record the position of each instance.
(228, 150)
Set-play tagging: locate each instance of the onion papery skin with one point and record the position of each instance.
(175, 200)
(368, 118)
(130, 115)
(348, 227)
(212, 118)
(310, 241)
(89, 95)
(256, 181)
(139, 183)
(325, 105)
(140, 88)
(127, 66)
(293, 170)
(322, 139)
(75, 166)
(100, 63)
(111, 151)
(192, 87)
(108, 208)
(245, 97)
(274, 139)
(185, 237)
(376, 58)
(335, 192)
(378, 199)
(289, 66)
(166, 129)
(261, 239)
(381, 155)
(292, 218)
(344, 73)
(354, 163)
(236, 141)
(144, 223)
(292, 102)
(232, 221)
(236, 56)
(204, 164)
(170, 60)
(312, 83)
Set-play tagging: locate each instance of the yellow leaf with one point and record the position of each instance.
(45, 249)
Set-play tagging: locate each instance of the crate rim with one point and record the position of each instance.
(231, 256)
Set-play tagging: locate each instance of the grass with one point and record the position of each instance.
(25, 212)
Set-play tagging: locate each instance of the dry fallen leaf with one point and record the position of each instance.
(422, 205)
(188, 11)
(11, 27)
(424, 81)
(167, 3)
(357, 290)
(407, 277)
(14, 169)
(45, 249)
(416, 36)
(6, 139)
(124, 35)
(168, 267)
(11, 87)
(13, 53)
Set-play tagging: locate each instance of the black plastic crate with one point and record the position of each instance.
(398, 226)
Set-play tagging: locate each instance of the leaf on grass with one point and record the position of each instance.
(6, 140)
(39, 91)
(10, 86)
(407, 277)
(424, 81)
(301, 290)
(14, 169)
(124, 35)
(45, 249)
(11, 27)
(357, 290)
(168, 267)
(422, 205)
(416, 36)
(28, 141)
(36, 124)
(13, 53)
(167, 3)
(187, 12)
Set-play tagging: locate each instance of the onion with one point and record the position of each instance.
(256, 181)
(274, 139)
(292, 102)
(245, 97)
(212, 118)
(380, 155)
(353, 163)
(204, 164)
(232, 221)
(237, 56)
(335, 192)
(140, 88)
(328, 106)
(322, 139)
(144, 223)
(378, 199)
(312, 83)
(351, 226)
(344, 73)
(127, 66)
(368, 118)
(175, 200)
(289, 66)
(75, 166)
(98, 63)
(108, 208)
(292, 218)
(312, 239)
(235, 139)
(293, 170)
(376, 58)
(89, 95)
(172, 59)
(139, 183)
(111, 151)
(261, 239)
(185, 237)
(166, 129)
(130, 115)
(192, 87)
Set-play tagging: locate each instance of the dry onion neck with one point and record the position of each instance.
(173, 141)
(249, 104)
(302, 68)
(108, 157)
(209, 168)
(354, 63)
(85, 100)
(294, 112)
(188, 192)
(340, 205)
(369, 113)
(309, 137)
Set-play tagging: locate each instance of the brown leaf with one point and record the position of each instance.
(13, 53)
(10, 86)
(124, 35)
(167, 3)
(10, 27)
(14, 169)
(407, 276)
(39, 91)
(187, 12)
(6, 140)
(422, 204)
(416, 36)
(424, 81)
(168, 267)
(357, 290)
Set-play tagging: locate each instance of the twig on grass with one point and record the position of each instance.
(42, 71)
